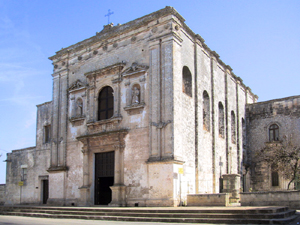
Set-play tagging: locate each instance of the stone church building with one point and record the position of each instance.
(142, 114)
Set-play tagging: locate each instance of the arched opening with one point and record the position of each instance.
(233, 128)
(105, 103)
(206, 111)
(187, 81)
(221, 120)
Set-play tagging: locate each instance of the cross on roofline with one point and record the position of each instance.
(108, 15)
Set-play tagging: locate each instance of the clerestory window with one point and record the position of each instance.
(187, 81)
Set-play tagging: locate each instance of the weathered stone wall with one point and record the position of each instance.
(221, 199)
(290, 199)
(165, 146)
(44, 118)
(260, 116)
(36, 162)
(2, 194)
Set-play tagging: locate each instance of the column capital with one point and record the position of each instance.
(119, 147)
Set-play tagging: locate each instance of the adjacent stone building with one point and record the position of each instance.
(142, 114)
(271, 122)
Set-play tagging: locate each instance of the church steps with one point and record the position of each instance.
(182, 215)
(169, 214)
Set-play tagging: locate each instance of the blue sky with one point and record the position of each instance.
(259, 39)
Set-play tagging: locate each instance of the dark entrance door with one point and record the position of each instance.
(45, 191)
(104, 177)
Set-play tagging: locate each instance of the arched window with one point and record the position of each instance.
(105, 103)
(221, 120)
(186, 81)
(206, 111)
(244, 132)
(233, 128)
(274, 176)
(274, 132)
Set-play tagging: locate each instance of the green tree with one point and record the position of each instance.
(283, 156)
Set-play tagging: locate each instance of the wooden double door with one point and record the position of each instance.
(104, 177)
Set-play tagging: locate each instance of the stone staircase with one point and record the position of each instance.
(216, 215)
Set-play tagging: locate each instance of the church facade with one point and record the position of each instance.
(142, 114)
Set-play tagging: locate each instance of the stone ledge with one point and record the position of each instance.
(57, 169)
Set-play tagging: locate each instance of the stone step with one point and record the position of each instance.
(246, 215)
(176, 215)
(162, 220)
(236, 210)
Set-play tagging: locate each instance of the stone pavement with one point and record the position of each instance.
(20, 220)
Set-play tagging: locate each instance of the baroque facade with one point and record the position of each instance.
(142, 114)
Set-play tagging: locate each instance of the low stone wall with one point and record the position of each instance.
(2, 194)
(272, 198)
(221, 199)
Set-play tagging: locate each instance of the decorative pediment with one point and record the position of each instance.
(77, 85)
(135, 68)
(112, 69)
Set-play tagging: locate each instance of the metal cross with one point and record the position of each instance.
(108, 14)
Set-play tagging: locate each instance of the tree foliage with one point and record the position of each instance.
(283, 157)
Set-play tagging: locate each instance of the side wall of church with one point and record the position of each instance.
(208, 131)
(260, 116)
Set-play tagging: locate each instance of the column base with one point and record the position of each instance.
(118, 196)
(84, 196)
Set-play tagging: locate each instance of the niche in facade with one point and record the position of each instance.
(77, 99)
(135, 77)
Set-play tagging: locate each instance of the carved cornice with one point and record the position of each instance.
(76, 86)
(161, 124)
(57, 169)
(135, 106)
(166, 160)
(119, 131)
(76, 118)
(135, 68)
(112, 69)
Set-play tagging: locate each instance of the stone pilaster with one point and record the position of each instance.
(118, 189)
(85, 188)
(161, 99)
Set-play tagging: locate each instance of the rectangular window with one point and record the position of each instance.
(24, 174)
(47, 134)
(275, 180)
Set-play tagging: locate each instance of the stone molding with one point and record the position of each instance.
(161, 124)
(57, 169)
(112, 69)
(135, 69)
(135, 107)
(104, 125)
(77, 86)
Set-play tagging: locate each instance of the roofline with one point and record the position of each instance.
(110, 31)
(275, 100)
